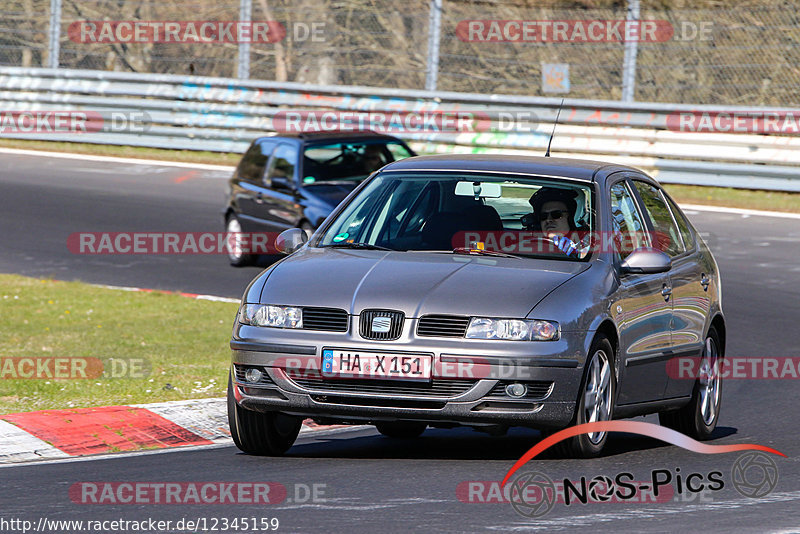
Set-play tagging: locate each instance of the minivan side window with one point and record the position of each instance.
(282, 166)
(667, 238)
(251, 168)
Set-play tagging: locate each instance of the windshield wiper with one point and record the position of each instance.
(465, 250)
(363, 246)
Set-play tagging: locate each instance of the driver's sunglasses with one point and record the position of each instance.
(554, 214)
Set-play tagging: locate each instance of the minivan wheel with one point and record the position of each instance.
(233, 243)
(401, 429)
(595, 402)
(698, 419)
(258, 433)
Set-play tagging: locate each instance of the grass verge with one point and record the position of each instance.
(735, 198)
(179, 344)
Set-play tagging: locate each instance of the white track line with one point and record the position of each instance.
(741, 211)
(213, 298)
(111, 159)
(134, 161)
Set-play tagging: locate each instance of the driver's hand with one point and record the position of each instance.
(565, 245)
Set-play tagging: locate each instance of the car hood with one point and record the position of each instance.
(329, 194)
(416, 283)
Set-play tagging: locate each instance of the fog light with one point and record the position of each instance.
(252, 375)
(516, 390)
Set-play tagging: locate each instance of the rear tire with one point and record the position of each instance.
(259, 433)
(595, 402)
(401, 429)
(698, 419)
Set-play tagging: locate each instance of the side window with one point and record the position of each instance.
(282, 166)
(667, 236)
(629, 230)
(398, 151)
(251, 167)
(683, 223)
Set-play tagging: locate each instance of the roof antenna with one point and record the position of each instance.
(550, 142)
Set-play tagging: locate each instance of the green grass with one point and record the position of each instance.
(735, 198)
(183, 341)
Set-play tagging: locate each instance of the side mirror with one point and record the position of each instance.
(290, 240)
(646, 261)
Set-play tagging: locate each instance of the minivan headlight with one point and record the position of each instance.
(513, 329)
(269, 315)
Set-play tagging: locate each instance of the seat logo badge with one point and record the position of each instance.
(381, 325)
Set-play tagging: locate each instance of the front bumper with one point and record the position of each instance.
(467, 386)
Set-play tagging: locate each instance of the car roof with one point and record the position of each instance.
(579, 169)
(314, 137)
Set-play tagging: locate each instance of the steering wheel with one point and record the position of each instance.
(331, 160)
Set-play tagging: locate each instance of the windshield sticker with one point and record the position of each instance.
(341, 237)
(309, 180)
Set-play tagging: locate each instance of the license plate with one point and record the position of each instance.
(357, 364)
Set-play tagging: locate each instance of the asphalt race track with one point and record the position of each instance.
(375, 483)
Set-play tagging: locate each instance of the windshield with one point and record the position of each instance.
(349, 161)
(468, 213)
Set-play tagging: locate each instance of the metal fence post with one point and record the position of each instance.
(434, 34)
(631, 49)
(245, 15)
(54, 34)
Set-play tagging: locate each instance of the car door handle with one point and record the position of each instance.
(666, 291)
(260, 198)
(704, 281)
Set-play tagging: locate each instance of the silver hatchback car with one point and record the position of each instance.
(486, 291)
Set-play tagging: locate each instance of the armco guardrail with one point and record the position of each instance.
(224, 115)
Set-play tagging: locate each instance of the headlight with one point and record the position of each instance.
(274, 316)
(513, 329)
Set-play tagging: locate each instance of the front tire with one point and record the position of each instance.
(261, 434)
(401, 429)
(698, 419)
(595, 401)
(234, 243)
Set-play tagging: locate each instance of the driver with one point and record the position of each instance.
(554, 215)
(373, 158)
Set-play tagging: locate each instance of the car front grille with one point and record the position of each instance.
(435, 388)
(537, 390)
(443, 326)
(382, 325)
(327, 319)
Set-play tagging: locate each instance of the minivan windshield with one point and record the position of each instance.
(471, 213)
(332, 162)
